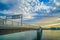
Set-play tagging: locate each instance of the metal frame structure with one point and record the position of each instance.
(18, 16)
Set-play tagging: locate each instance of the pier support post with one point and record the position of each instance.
(39, 33)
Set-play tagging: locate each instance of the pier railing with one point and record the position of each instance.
(11, 24)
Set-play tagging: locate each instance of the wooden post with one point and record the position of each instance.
(39, 33)
(12, 22)
(5, 21)
(21, 19)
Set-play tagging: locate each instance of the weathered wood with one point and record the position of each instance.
(39, 34)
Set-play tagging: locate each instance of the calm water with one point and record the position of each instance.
(51, 35)
(31, 35)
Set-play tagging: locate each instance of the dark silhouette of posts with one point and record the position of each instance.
(1, 21)
(21, 19)
(6, 21)
(39, 33)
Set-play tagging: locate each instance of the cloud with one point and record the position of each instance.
(46, 21)
(22, 8)
(57, 2)
(30, 8)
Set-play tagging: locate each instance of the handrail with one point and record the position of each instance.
(4, 22)
(9, 23)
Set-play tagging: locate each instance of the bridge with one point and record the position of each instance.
(8, 27)
(12, 26)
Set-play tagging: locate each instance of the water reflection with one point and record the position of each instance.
(32, 35)
(51, 35)
(27, 35)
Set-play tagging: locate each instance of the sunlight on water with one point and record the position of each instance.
(51, 35)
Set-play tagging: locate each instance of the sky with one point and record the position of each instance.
(35, 12)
